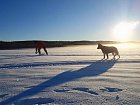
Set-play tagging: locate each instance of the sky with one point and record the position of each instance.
(61, 20)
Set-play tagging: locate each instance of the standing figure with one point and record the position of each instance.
(38, 46)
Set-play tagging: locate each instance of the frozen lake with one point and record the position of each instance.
(71, 75)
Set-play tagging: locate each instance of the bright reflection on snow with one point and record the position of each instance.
(127, 45)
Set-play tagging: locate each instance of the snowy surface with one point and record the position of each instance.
(74, 75)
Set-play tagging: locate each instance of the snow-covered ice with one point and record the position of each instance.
(74, 75)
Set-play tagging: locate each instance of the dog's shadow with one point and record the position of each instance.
(94, 69)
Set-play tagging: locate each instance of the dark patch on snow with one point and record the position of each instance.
(3, 95)
(34, 101)
(61, 90)
(117, 97)
(108, 89)
(86, 90)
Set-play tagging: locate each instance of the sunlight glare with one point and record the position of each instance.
(124, 30)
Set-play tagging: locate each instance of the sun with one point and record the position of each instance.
(124, 30)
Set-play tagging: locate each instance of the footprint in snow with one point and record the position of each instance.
(61, 90)
(34, 101)
(86, 90)
(108, 89)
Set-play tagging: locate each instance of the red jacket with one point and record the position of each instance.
(40, 45)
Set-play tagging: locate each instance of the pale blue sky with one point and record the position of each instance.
(65, 19)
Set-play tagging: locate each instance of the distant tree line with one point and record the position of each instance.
(7, 45)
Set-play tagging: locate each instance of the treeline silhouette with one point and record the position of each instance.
(7, 45)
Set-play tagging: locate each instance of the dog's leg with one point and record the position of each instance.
(104, 56)
(114, 54)
(119, 55)
(107, 56)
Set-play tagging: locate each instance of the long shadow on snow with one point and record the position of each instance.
(95, 69)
